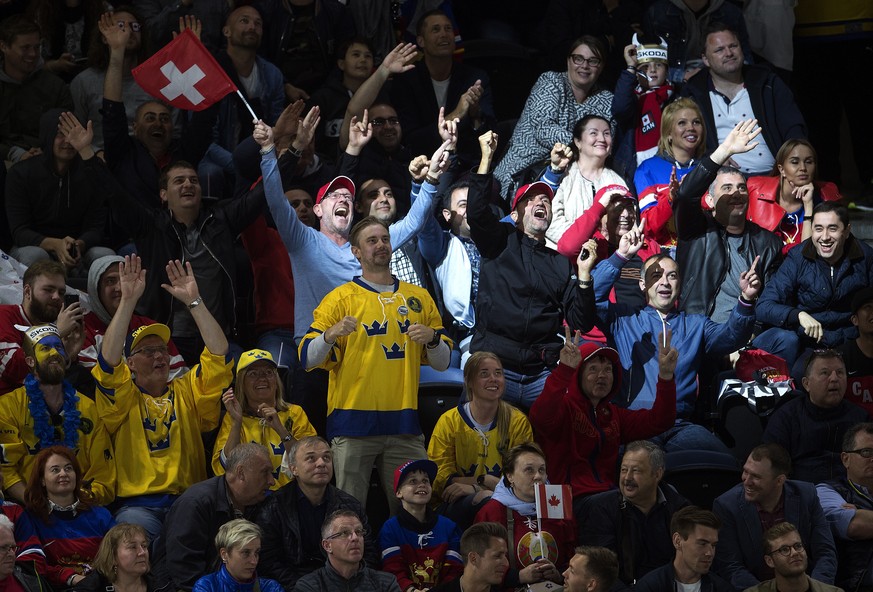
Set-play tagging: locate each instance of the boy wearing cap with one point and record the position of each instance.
(641, 93)
(46, 411)
(156, 425)
(523, 330)
(421, 548)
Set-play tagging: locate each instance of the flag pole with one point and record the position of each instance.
(539, 534)
(246, 103)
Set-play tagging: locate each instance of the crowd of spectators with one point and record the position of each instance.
(213, 326)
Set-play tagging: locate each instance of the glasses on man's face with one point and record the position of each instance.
(134, 26)
(347, 533)
(5, 549)
(381, 121)
(151, 352)
(579, 60)
(785, 550)
(338, 195)
(862, 452)
(257, 374)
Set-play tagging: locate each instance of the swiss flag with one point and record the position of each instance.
(554, 501)
(184, 74)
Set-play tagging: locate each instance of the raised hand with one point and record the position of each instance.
(189, 21)
(633, 240)
(116, 36)
(183, 284)
(418, 167)
(674, 184)
(560, 157)
(750, 283)
(286, 124)
(263, 134)
(360, 132)
(439, 162)
(232, 405)
(69, 319)
(586, 259)
(739, 140)
(630, 55)
(77, 136)
(400, 59)
(447, 128)
(306, 128)
(131, 278)
(570, 355)
(488, 143)
(345, 326)
(668, 357)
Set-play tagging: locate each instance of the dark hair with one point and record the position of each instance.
(342, 513)
(15, 25)
(785, 150)
(852, 433)
(685, 520)
(821, 354)
(345, 45)
(718, 27)
(41, 268)
(98, 52)
(35, 496)
(593, 43)
(511, 455)
(419, 26)
(360, 226)
(477, 538)
(780, 460)
(837, 208)
(657, 458)
(580, 126)
(447, 195)
(725, 170)
(176, 164)
(602, 564)
(776, 532)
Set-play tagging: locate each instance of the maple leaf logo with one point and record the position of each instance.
(554, 501)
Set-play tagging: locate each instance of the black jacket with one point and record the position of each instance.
(663, 579)
(159, 239)
(772, 104)
(185, 551)
(97, 582)
(526, 290)
(702, 252)
(282, 557)
(641, 541)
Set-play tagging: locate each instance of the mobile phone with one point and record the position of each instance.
(80, 61)
(70, 299)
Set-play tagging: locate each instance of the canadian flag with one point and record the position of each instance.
(554, 501)
(184, 74)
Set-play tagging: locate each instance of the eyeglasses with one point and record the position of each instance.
(5, 549)
(347, 534)
(862, 452)
(134, 26)
(579, 60)
(338, 195)
(785, 550)
(261, 374)
(380, 121)
(151, 352)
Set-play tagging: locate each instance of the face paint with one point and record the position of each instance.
(47, 347)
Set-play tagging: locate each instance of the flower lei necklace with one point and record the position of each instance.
(42, 427)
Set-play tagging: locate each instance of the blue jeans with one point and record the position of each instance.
(780, 342)
(522, 390)
(280, 340)
(152, 519)
(685, 435)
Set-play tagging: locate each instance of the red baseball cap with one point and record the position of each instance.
(533, 189)
(338, 183)
(422, 464)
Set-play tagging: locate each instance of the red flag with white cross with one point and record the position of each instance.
(554, 501)
(184, 74)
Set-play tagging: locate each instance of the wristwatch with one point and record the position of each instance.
(195, 303)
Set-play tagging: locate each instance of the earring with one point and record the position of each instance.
(115, 569)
